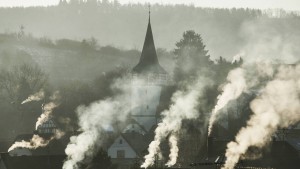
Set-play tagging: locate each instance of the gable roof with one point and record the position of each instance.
(138, 142)
(55, 146)
(134, 126)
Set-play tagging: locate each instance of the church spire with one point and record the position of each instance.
(148, 61)
(149, 13)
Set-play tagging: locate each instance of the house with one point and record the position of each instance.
(46, 131)
(128, 148)
(51, 156)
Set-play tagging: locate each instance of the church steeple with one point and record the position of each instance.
(148, 61)
(149, 14)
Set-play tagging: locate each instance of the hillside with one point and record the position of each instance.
(226, 32)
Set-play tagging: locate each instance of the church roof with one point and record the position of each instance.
(148, 61)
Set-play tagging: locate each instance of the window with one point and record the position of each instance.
(121, 141)
(120, 153)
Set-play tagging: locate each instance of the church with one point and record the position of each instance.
(148, 81)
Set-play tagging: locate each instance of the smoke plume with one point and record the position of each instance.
(173, 142)
(232, 90)
(48, 108)
(94, 120)
(243, 79)
(36, 141)
(277, 107)
(35, 97)
(184, 106)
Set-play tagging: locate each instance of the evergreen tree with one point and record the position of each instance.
(222, 68)
(191, 56)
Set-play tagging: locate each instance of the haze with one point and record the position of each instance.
(258, 4)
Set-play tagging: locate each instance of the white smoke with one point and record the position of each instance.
(48, 109)
(232, 90)
(35, 97)
(36, 141)
(271, 43)
(277, 107)
(241, 80)
(93, 122)
(173, 142)
(184, 106)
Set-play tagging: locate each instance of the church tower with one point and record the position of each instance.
(148, 79)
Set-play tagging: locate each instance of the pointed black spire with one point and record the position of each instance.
(148, 62)
(149, 13)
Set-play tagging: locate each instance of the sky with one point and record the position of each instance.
(259, 4)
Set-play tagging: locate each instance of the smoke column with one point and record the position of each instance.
(93, 122)
(35, 142)
(184, 106)
(173, 151)
(232, 90)
(35, 97)
(277, 107)
(241, 80)
(47, 109)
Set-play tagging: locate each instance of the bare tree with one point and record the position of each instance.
(16, 84)
(21, 81)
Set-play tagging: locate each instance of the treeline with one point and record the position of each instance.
(124, 25)
(64, 59)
